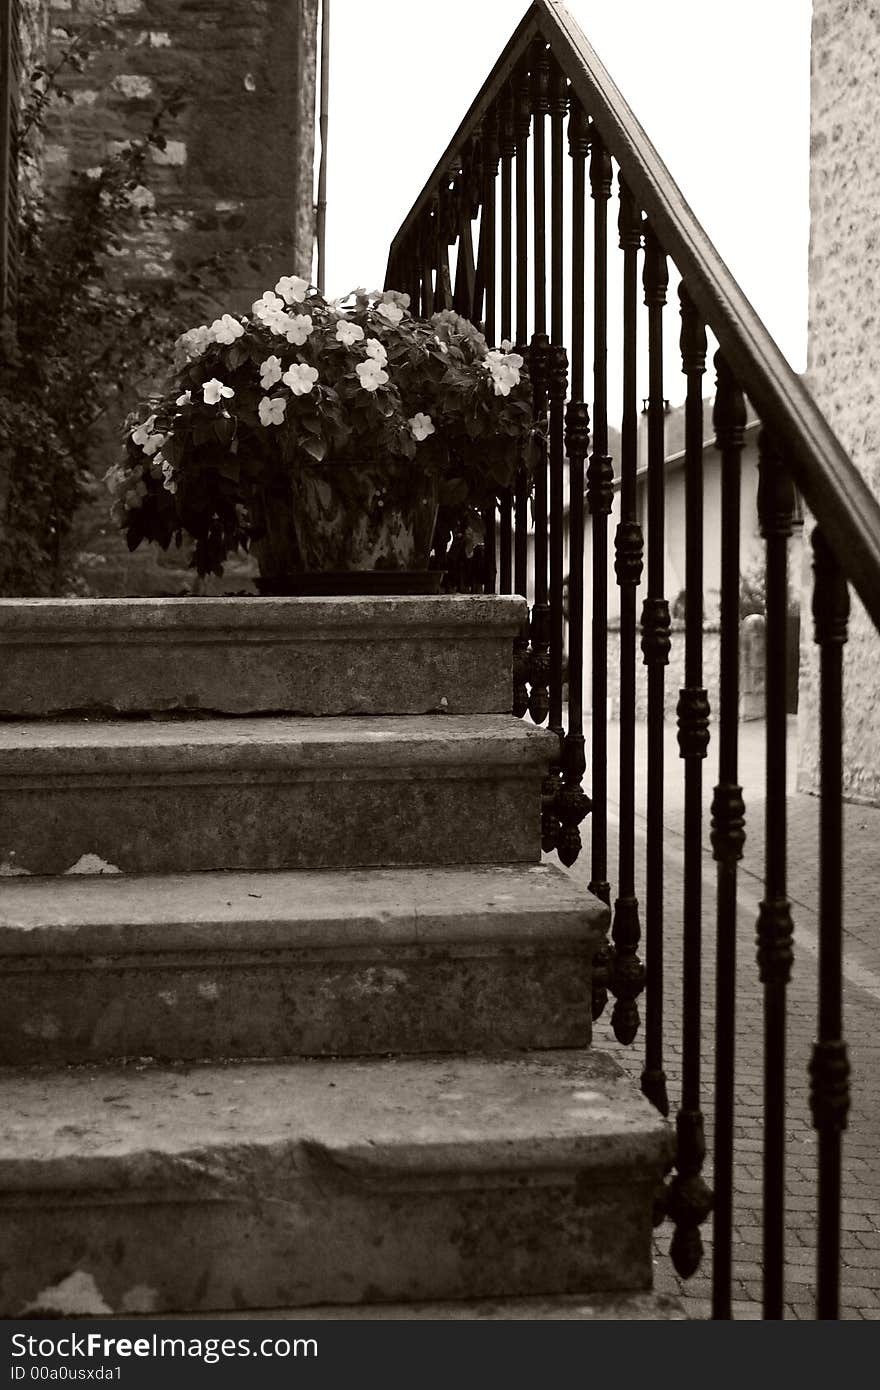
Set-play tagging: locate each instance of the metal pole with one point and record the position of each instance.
(321, 206)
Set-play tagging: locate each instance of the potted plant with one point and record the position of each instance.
(327, 437)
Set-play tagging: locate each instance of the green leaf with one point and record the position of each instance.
(316, 448)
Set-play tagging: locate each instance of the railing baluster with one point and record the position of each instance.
(573, 802)
(465, 268)
(628, 547)
(600, 495)
(774, 926)
(539, 697)
(490, 163)
(428, 235)
(689, 1200)
(507, 144)
(522, 125)
(829, 1065)
(558, 96)
(655, 649)
(728, 829)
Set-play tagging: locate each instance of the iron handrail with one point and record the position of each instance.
(832, 486)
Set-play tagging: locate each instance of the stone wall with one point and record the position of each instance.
(238, 166)
(843, 364)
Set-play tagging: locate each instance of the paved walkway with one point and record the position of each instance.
(861, 1205)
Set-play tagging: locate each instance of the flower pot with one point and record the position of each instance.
(340, 530)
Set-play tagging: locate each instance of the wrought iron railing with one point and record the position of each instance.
(495, 174)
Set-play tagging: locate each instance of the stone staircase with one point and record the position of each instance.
(292, 1014)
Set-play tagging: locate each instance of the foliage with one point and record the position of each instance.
(84, 328)
(302, 380)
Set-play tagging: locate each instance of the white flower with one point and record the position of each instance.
(292, 288)
(168, 477)
(270, 372)
(392, 312)
(396, 297)
(504, 369)
(371, 374)
(226, 330)
(376, 350)
(268, 309)
(297, 328)
(300, 378)
(143, 432)
(192, 344)
(214, 389)
(185, 399)
(271, 409)
(348, 333)
(421, 425)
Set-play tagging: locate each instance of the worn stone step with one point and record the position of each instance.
(167, 797)
(389, 655)
(284, 1185)
(310, 962)
(598, 1307)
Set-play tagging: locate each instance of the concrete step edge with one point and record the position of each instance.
(132, 915)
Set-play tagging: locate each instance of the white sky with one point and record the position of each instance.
(722, 89)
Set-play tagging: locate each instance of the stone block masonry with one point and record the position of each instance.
(237, 167)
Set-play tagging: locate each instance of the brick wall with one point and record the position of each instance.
(238, 165)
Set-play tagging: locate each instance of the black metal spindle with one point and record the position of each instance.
(655, 640)
(629, 975)
(522, 126)
(573, 803)
(539, 64)
(490, 165)
(600, 495)
(507, 145)
(774, 927)
(558, 100)
(445, 225)
(689, 1200)
(539, 664)
(829, 1064)
(427, 245)
(728, 829)
(465, 267)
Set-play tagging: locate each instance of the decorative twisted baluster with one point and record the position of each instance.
(522, 125)
(776, 511)
(728, 826)
(628, 548)
(428, 250)
(600, 495)
(539, 662)
(573, 803)
(539, 66)
(829, 1065)
(655, 650)
(491, 157)
(689, 1200)
(558, 389)
(507, 146)
(465, 266)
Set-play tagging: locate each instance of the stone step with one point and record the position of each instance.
(284, 1185)
(256, 655)
(310, 962)
(166, 797)
(598, 1307)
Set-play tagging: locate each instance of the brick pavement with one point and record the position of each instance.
(861, 1202)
